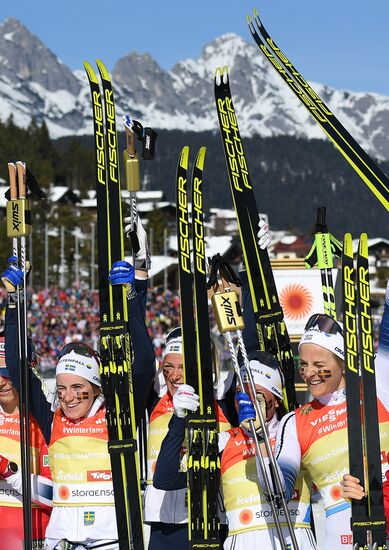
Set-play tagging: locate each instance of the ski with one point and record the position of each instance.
(272, 332)
(374, 178)
(203, 468)
(115, 348)
(367, 515)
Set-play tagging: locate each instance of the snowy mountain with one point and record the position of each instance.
(34, 82)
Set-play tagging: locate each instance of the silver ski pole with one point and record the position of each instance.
(229, 319)
(18, 226)
(280, 494)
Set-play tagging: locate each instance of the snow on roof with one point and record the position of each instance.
(214, 245)
(88, 203)
(57, 192)
(222, 213)
(288, 239)
(370, 242)
(149, 195)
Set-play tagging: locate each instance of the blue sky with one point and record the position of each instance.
(342, 43)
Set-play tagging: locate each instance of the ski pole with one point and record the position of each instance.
(229, 319)
(18, 226)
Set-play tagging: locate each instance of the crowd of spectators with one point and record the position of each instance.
(57, 316)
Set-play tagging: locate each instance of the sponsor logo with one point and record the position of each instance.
(99, 475)
(63, 492)
(331, 416)
(346, 539)
(246, 517)
(89, 518)
(46, 461)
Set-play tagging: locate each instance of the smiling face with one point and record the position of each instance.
(9, 397)
(173, 371)
(321, 370)
(76, 395)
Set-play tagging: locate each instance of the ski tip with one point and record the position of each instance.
(221, 75)
(102, 70)
(90, 72)
(248, 20)
(255, 13)
(201, 157)
(184, 157)
(348, 245)
(363, 248)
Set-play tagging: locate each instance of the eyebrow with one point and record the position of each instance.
(171, 365)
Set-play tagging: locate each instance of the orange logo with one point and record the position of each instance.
(296, 301)
(63, 492)
(336, 492)
(246, 516)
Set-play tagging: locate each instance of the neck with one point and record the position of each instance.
(10, 408)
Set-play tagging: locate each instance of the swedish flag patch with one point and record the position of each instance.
(89, 518)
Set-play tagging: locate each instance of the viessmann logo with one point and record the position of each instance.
(99, 475)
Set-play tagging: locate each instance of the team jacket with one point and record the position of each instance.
(95, 521)
(246, 506)
(315, 436)
(11, 500)
(160, 505)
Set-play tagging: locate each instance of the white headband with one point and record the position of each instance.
(173, 346)
(74, 363)
(331, 342)
(265, 376)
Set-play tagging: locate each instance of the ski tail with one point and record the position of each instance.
(373, 177)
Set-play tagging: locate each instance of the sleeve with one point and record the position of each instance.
(143, 353)
(41, 488)
(40, 407)
(250, 334)
(288, 453)
(167, 475)
(382, 357)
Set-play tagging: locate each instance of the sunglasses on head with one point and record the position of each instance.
(325, 323)
(175, 333)
(81, 349)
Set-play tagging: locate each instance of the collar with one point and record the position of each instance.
(333, 398)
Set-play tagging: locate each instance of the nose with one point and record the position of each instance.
(177, 374)
(308, 371)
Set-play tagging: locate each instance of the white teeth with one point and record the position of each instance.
(315, 382)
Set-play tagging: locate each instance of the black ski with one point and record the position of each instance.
(273, 335)
(115, 347)
(374, 178)
(203, 461)
(367, 516)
